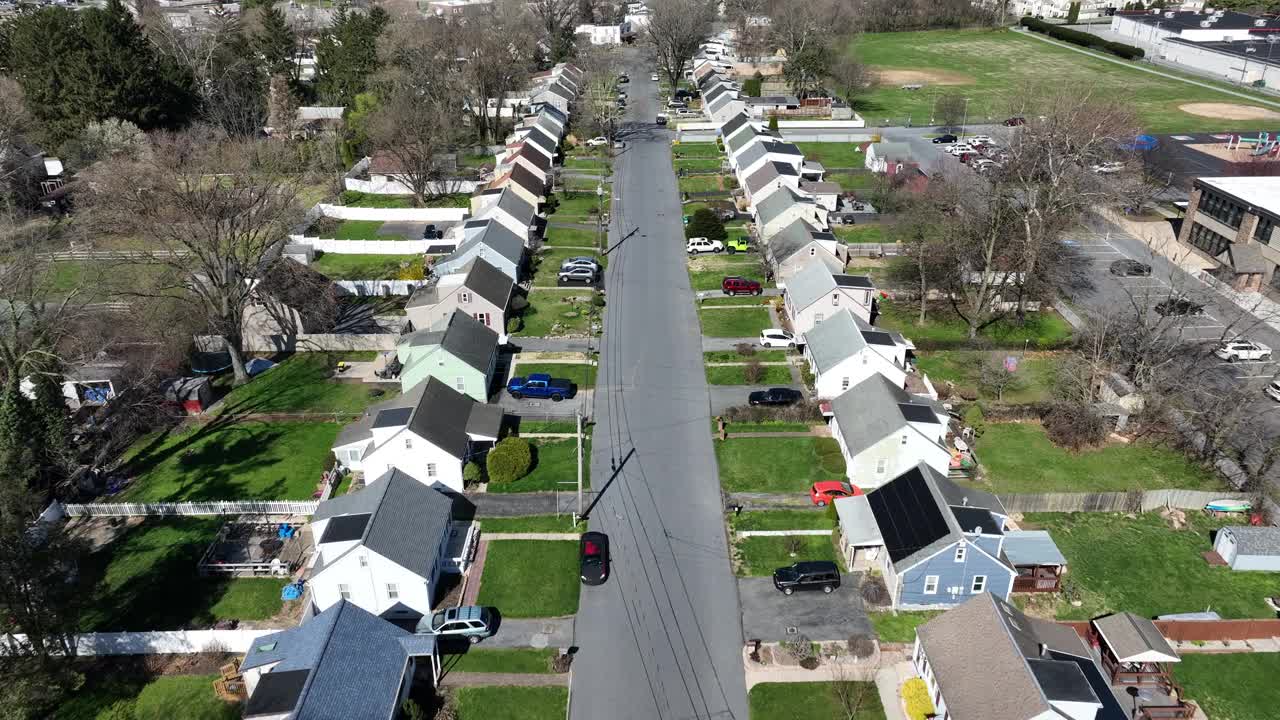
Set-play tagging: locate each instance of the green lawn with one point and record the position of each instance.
(991, 67)
(512, 703)
(502, 660)
(777, 465)
(302, 383)
(581, 374)
(736, 375)
(943, 328)
(549, 264)
(809, 701)
(579, 205)
(96, 280)
(699, 184)
(860, 233)
(555, 463)
(1019, 458)
(761, 555)
(696, 164)
(571, 237)
(355, 198)
(553, 313)
(369, 267)
(547, 426)
(706, 272)
(734, 322)
(853, 181)
(147, 579)
(531, 578)
(1120, 564)
(697, 149)
(168, 696)
(733, 299)
(900, 628)
(474, 161)
(363, 230)
(1232, 687)
(245, 460)
(734, 356)
(816, 519)
(1035, 375)
(834, 154)
(531, 524)
(587, 164)
(767, 426)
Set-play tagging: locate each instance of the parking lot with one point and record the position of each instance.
(770, 616)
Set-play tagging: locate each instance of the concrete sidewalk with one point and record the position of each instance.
(478, 679)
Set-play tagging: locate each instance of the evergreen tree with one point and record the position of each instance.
(347, 56)
(52, 425)
(18, 460)
(276, 42)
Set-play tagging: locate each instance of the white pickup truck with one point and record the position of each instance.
(1241, 349)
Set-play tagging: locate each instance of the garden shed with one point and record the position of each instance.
(1249, 548)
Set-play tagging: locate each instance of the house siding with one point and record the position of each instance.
(861, 470)
(799, 260)
(804, 319)
(425, 316)
(856, 368)
(444, 367)
(455, 263)
(368, 585)
(413, 460)
(953, 575)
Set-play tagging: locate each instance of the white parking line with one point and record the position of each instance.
(1254, 377)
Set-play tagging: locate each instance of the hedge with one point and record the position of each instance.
(1128, 52)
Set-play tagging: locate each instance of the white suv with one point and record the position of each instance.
(1273, 390)
(775, 337)
(703, 245)
(1241, 349)
(595, 141)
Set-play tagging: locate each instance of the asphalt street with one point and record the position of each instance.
(663, 637)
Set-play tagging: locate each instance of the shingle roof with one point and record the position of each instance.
(767, 174)
(439, 417)
(470, 340)
(489, 282)
(494, 236)
(871, 411)
(778, 147)
(812, 282)
(738, 142)
(834, 339)
(780, 202)
(791, 240)
(516, 206)
(1255, 540)
(535, 158)
(721, 102)
(752, 155)
(733, 124)
(541, 138)
(820, 188)
(1134, 639)
(715, 92)
(525, 178)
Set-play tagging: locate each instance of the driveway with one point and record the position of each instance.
(533, 409)
(532, 633)
(770, 616)
(724, 397)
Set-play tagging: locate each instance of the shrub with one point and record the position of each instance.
(705, 223)
(773, 123)
(509, 460)
(1128, 52)
(807, 412)
(472, 473)
(1074, 426)
(119, 710)
(745, 349)
(798, 647)
(598, 299)
(410, 710)
(861, 646)
(561, 663)
(874, 591)
(751, 87)
(753, 371)
(916, 696)
(809, 663)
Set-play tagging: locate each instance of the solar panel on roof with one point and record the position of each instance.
(980, 519)
(392, 417)
(875, 337)
(918, 413)
(344, 528)
(908, 516)
(858, 281)
(277, 692)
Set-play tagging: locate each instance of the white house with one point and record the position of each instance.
(519, 153)
(780, 209)
(506, 207)
(538, 138)
(430, 432)
(769, 177)
(735, 125)
(601, 34)
(843, 350)
(766, 151)
(724, 107)
(384, 547)
(883, 154)
(485, 239)
(815, 293)
(883, 431)
(799, 245)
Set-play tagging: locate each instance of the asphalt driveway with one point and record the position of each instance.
(534, 409)
(770, 616)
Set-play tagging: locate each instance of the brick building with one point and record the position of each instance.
(1236, 221)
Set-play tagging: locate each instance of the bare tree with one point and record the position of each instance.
(229, 78)
(213, 214)
(676, 29)
(557, 20)
(850, 77)
(598, 110)
(851, 695)
(923, 262)
(996, 377)
(415, 133)
(949, 109)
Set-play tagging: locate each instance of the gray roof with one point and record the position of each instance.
(407, 519)
(834, 339)
(715, 92)
(777, 203)
(541, 138)
(489, 282)
(1032, 547)
(537, 159)
(463, 337)
(439, 414)
(548, 123)
(525, 178)
(779, 147)
(730, 126)
(811, 283)
(517, 207)
(752, 155)
(820, 188)
(871, 411)
(720, 102)
(767, 174)
(735, 144)
(792, 239)
(326, 648)
(857, 522)
(787, 100)
(497, 238)
(1255, 540)
(1003, 685)
(1133, 639)
(893, 150)
(485, 420)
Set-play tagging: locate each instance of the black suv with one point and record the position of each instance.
(1179, 306)
(774, 396)
(812, 575)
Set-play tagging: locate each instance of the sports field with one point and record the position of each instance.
(995, 68)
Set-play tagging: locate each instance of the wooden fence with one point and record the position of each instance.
(1136, 501)
(1203, 630)
(221, 507)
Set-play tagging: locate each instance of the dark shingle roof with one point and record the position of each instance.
(439, 417)
(516, 206)
(535, 158)
(489, 282)
(525, 178)
(470, 341)
(732, 124)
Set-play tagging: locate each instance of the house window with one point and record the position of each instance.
(835, 298)
(904, 438)
(844, 384)
(960, 553)
(460, 384)
(483, 318)
(364, 560)
(817, 318)
(930, 584)
(345, 591)
(881, 465)
(408, 443)
(979, 584)
(393, 592)
(266, 648)
(431, 469)
(464, 297)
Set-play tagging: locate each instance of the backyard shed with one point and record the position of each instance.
(1037, 559)
(1249, 548)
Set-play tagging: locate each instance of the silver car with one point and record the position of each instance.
(580, 262)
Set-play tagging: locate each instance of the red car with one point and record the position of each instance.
(734, 285)
(828, 491)
(1015, 122)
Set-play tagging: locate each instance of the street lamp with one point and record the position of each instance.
(599, 211)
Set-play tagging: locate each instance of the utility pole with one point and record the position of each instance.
(578, 416)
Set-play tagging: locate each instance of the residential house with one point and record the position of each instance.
(343, 663)
(725, 106)
(552, 116)
(558, 93)
(537, 138)
(384, 547)
(779, 209)
(766, 151)
(935, 543)
(459, 351)
(507, 207)
(763, 107)
(826, 194)
(734, 125)
(601, 34)
(985, 659)
(550, 123)
(480, 290)
(485, 239)
(800, 245)
(844, 350)
(523, 183)
(769, 177)
(883, 431)
(882, 155)
(738, 143)
(814, 293)
(289, 301)
(1233, 224)
(430, 432)
(521, 154)
(1249, 548)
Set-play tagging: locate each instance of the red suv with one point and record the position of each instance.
(740, 286)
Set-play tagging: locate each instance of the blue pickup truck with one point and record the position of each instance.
(541, 385)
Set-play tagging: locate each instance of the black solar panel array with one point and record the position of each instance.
(908, 516)
(345, 527)
(918, 413)
(875, 337)
(277, 692)
(394, 417)
(858, 281)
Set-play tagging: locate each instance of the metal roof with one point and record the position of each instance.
(1134, 639)
(1032, 547)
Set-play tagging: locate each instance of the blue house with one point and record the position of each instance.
(936, 544)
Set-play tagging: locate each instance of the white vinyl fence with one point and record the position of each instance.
(427, 215)
(367, 247)
(380, 287)
(389, 186)
(220, 507)
(159, 642)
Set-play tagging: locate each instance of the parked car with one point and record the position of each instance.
(431, 232)
(777, 337)
(653, 77)
(1015, 122)
(472, 622)
(734, 285)
(674, 104)
(827, 491)
(599, 140)
(774, 396)
(541, 385)
(1130, 268)
(983, 165)
(623, 78)
(809, 575)
(619, 145)
(693, 246)
(1273, 390)
(584, 275)
(960, 149)
(1179, 306)
(1242, 349)
(944, 139)
(581, 261)
(737, 245)
(661, 120)
(980, 140)
(593, 557)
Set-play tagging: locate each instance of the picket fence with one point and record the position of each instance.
(1136, 501)
(389, 186)
(366, 247)
(379, 287)
(873, 249)
(424, 215)
(220, 507)
(157, 642)
(321, 342)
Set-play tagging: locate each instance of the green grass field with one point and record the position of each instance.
(734, 322)
(1019, 458)
(697, 164)
(736, 375)
(699, 184)
(900, 628)
(853, 181)
(777, 465)
(696, 149)
(512, 703)
(569, 237)
(760, 555)
(244, 460)
(531, 578)
(547, 426)
(302, 383)
(810, 701)
(816, 519)
(555, 313)
(993, 68)
(502, 660)
(573, 206)
(189, 697)
(833, 154)
(531, 524)
(707, 271)
(734, 300)
(363, 230)
(1232, 687)
(369, 267)
(555, 462)
(860, 233)
(597, 165)
(943, 328)
(1035, 375)
(733, 356)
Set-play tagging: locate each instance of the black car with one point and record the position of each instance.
(774, 396)
(1130, 268)
(1179, 306)
(593, 555)
(431, 232)
(811, 575)
(948, 138)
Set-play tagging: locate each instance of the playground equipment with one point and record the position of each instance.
(1266, 143)
(1141, 143)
